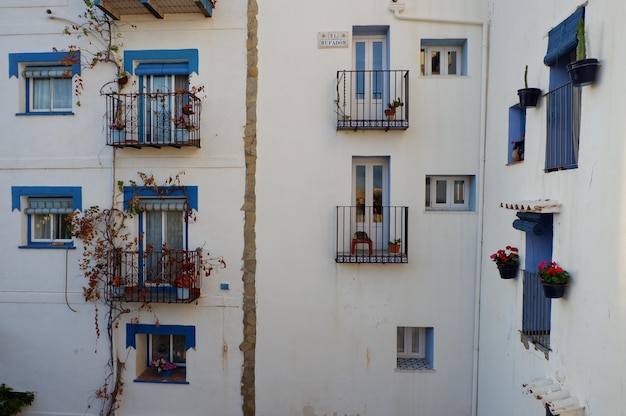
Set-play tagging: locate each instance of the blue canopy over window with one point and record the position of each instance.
(170, 68)
(562, 39)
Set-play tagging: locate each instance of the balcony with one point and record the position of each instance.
(153, 120)
(563, 128)
(156, 8)
(153, 276)
(363, 97)
(365, 234)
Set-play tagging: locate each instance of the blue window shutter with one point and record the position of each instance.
(172, 68)
(562, 39)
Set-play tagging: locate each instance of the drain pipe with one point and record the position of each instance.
(397, 9)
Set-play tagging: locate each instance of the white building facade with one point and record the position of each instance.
(354, 164)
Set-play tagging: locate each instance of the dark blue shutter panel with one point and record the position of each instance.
(562, 39)
(171, 68)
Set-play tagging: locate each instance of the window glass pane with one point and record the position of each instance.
(377, 66)
(178, 349)
(154, 244)
(422, 61)
(400, 339)
(62, 92)
(459, 192)
(42, 226)
(415, 340)
(452, 63)
(441, 192)
(360, 193)
(359, 50)
(377, 193)
(160, 346)
(41, 93)
(174, 230)
(61, 227)
(435, 59)
(427, 192)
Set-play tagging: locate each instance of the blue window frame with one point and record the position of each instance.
(536, 309)
(47, 78)
(168, 341)
(563, 100)
(46, 208)
(162, 219)
(517, 133)
(161, 74)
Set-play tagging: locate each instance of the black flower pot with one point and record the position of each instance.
(553, 291)
(508, 271)
(528, 97)
(583, 72)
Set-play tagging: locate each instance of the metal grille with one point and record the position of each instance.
(364, 234)
(536, 312)
(563, 128)
(152, 276)
(155, 120)
(362, 98)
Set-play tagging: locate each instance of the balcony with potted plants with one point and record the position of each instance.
(157, 8)
(153, 119)
(372, 234)
(372, 100)
(166, 276)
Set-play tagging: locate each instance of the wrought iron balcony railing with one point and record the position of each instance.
(153, 119)
(171, 276)
(156, 8)
(563, 128)
(536, 312)
(363, 99)
(366, 234)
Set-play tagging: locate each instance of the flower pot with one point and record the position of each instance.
(187, 111)
(508, 271)
(394, 248)
(553, 291)
(182, 293)
(390, 113)
(118, 136)
(165, 373)
(528, 97)
(182, 136)
(583, 72)
(118, 291)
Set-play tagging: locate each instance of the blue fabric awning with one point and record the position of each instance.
(171, 68)
(562, 39)
(48, 72)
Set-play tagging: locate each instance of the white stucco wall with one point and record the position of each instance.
(327, 331)
(50, 347)
(586, 324)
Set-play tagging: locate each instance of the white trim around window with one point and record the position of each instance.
(450, 193)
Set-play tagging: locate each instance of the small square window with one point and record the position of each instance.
(46, 208)
(414, 348)
(448, 193)
(442, 57)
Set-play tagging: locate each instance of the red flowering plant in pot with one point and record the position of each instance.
(553, 279)
(163, 367)
(507, 261)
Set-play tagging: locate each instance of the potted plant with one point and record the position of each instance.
(390, 112)
(184, 125)
(118, 287)
(507, 261)
(188, 109)
(553, 279)
(122, 78)
(118, 131)
(582, 71)
(528, 97)
(163, 367)
(394, 246)
(12, 402)
(517, 153)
